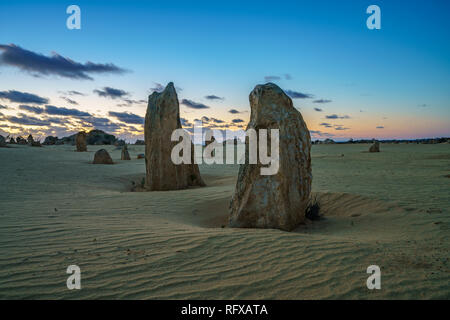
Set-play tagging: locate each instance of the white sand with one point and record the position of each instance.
(390, 209)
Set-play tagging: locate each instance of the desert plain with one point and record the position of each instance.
(57, 209)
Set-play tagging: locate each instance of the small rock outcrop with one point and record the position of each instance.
(36, 144)
(280, 200)
(102, 157)
(50, 140)
(2, 141)
(30, 140)
(140, 142)
(207, 143)
(120, 143)
(80, 141)
(125, 155)
(161, 119)
(21, 140)
(375, 147)
(12, 140)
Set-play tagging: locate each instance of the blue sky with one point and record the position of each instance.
(388, 83)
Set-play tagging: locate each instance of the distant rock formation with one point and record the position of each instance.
(125, 155)
(12, 140)
(139, 142)
(207, 143)
(36, 144)
(80, 141)
(162, 118)
(21, 140)
(102, 157)
(30, 140)
(50, 140)
(2, 142)
(275, 201)
(120, 143)
(375, 147)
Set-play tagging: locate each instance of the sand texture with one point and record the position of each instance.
(57, 209)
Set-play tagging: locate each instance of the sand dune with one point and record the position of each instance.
(390, 209)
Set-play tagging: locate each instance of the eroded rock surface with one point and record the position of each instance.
(80, 141)
(162, 118)
(274, 201)
(102, 157)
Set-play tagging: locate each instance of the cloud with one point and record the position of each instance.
(335, 116)
(22, 97)
(158, 87)
(271, 78)
(340, 127)
(193, 105)
(185, 122)
(380, 127)
(127, 117)
(318, 109)
(217, 120)
(234, 111)
(3, 106)
(112, 93)
(57, 111)
(325, 124)
(128, 102)
(38, 64)
(287, 76)
(37, 110)
(298, 95)
(75, 93)
(214, 97)
(424, 105)
(23, 119)
(103, 124)
(237, 120)
(69, 100)
(322, 101)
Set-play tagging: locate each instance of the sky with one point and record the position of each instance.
(348, 81)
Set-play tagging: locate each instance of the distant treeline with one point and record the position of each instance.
(416, 141)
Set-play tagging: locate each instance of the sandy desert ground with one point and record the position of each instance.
(389, 209)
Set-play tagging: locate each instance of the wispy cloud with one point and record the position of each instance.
(22, 97)
(339, 128)
(318, 109)
(112, 93)
(26, 120)
(69, 100)
(298, 95)
(193, 105)
(214, 97)
(234, 111)
(59, 111)
(272, 78)
(127, 117)
(37, 110)
(237, 120)
(380, 127)
(335, 116)
(38, 64)
(322, 101)
(158, 87)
